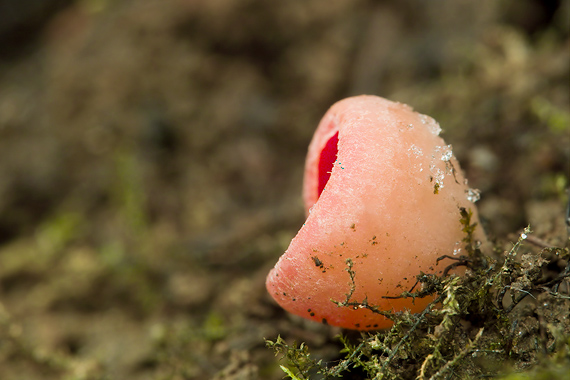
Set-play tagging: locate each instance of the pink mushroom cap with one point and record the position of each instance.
(382, 189)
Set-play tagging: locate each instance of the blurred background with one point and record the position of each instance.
(151, 158)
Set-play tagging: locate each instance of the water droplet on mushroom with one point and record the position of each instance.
(457, 248)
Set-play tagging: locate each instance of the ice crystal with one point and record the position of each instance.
(473, 195)
(446, 153)
(415, 150)
(438, 176)
(431, 124)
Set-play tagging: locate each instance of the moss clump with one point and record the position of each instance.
(472, 329)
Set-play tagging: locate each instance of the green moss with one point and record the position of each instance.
(471, 334)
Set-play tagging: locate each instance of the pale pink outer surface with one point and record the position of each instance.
(378, 209)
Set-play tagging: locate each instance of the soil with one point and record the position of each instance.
(151, 159)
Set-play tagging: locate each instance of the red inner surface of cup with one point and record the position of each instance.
(326, 161)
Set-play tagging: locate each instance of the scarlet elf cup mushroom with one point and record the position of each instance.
(383, 194)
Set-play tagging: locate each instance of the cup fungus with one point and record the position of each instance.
(382, 193)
